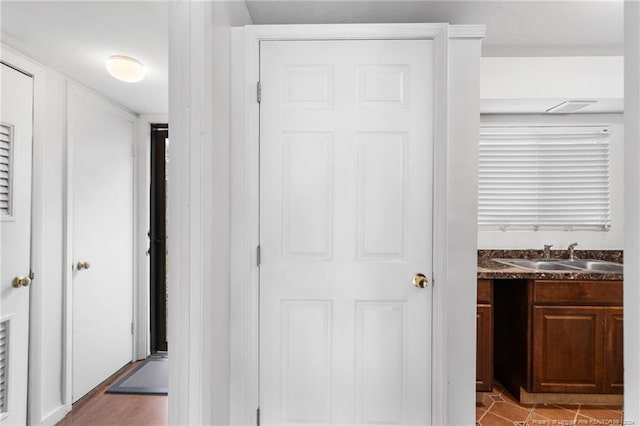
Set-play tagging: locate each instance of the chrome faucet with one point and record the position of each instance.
(571, 249)
(547, 251)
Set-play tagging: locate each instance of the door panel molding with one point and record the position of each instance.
(245, 201)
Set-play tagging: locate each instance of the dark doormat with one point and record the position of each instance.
(151, 378)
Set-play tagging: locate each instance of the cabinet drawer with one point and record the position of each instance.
(559, 292)
(484, 291)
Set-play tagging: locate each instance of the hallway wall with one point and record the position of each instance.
(198, 228)
(48, 393)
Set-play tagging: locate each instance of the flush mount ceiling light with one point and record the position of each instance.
(570, 106)
(125, 68)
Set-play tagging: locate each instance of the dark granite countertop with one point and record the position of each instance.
(490, 269)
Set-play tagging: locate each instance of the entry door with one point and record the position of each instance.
(16, 124)
(345, 223)
(101, 140)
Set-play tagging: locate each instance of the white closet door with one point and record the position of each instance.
(16, 129)
(345, 222)
(102, 168)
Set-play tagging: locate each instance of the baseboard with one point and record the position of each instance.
(570, 398)
(55, 416)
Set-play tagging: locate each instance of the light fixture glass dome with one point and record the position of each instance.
(125, 68)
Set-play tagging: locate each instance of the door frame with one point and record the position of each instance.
(142, 177)
(36, 296)
(245, 189)
(72, 89)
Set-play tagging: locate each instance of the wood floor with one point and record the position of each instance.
(100, 409)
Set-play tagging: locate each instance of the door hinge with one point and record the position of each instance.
(258, 255)
(133, 328)
(259, 92)
(258, 416)
(133, 150)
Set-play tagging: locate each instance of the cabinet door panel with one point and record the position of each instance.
(568, 349)
(484, 348)
(613, 364)
(485, 293)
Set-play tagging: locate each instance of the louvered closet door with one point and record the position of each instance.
(16, 122)
(345, 222)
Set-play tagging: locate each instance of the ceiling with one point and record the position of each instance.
(514, 28)
(76, 37)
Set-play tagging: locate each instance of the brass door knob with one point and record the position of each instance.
(420, 281)
(21, 281)
(83, 265)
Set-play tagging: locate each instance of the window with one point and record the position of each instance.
(544, 178)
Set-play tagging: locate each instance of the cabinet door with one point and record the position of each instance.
(484, 348)
(568, 349)
(613, 350)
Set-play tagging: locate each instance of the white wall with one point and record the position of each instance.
(533, 84)
(49, 395)
(46, 357)
(460, 281)
(614, 238)
(52, 288)
(198, 228)
(575, 77)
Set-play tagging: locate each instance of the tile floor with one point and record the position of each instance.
(499, 407)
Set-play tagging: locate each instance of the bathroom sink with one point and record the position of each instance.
(539, 265)
(564, 265)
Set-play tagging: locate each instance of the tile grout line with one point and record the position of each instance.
(529, 417)
(486, 411)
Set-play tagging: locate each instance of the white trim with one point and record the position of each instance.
(55, 416)
(71, 89)
(631, 290)
(245, 185)
(439, 354)
(36, 302)
(467, 31)
(67, 271)
(198, 302)
(244, 228)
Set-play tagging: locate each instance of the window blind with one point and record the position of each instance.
(544, 178)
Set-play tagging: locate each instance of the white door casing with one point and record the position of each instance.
(16, 117)
(346, 154)
(101, 196)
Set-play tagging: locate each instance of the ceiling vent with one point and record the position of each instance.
(567, 107)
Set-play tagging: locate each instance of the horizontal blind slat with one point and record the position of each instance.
(544, 178)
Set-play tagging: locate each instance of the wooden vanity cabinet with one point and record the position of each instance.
(484, 336)
(613, 350)
(574, 337)
(577, 336)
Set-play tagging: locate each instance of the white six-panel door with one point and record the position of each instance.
(345, 222)
(16, 128)
(101, 138)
